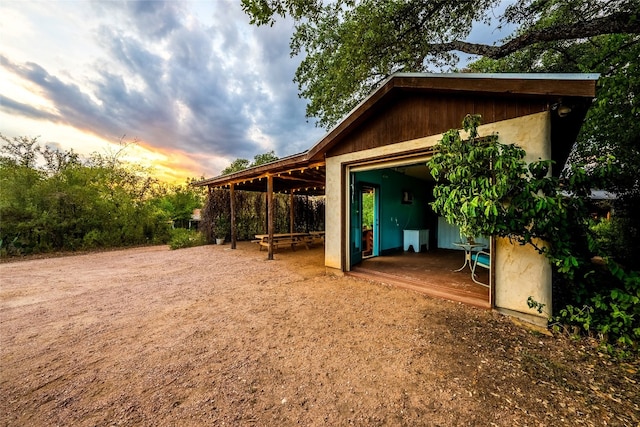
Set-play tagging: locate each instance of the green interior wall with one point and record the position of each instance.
(395, 216)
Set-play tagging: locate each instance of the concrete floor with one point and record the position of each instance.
(431, 273)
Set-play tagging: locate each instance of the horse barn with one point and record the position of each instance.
(377, 156)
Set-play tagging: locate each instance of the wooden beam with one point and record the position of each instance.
(270, 215)
(232, 204)
(310, 182)
(285, 166)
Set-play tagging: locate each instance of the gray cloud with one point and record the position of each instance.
(14, 107)
(210, 85)
(131, 53)
(173, 82)
(149, 19)
(73, 106)
(157, 18)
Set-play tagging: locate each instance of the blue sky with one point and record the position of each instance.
(192, 81)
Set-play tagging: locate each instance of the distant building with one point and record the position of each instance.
(196, 217)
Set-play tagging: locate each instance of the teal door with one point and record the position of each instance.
(369, 204)
(355, 224)
(364, 223)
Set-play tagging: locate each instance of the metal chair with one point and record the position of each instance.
(480, 259)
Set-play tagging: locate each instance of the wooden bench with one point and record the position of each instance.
(316, 237)
(290, 239)
(313, 239)
(282, 240)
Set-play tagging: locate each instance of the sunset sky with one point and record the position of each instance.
(192, 81)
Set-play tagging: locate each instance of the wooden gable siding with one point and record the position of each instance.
(411, 115)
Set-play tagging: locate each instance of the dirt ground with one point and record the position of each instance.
(211, 336)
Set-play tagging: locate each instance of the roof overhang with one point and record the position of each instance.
(552, 86)
(294, 175)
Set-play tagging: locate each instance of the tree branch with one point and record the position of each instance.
(622, 22)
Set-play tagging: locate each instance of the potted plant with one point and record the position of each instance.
(220, 229)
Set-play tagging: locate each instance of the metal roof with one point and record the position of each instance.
(503, 76)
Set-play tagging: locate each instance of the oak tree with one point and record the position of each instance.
(350, 46)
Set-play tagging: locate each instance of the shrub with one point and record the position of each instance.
(93, 239)
(612, 311)
(183, 238)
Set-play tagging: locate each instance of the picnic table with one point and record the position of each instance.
(290, 239)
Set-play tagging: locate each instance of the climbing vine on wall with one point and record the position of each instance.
(487, 188)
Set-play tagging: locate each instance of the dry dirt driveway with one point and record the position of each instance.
(211, 336)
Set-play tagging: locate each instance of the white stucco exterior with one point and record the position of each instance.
(520, 271)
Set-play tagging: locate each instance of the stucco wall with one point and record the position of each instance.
(520, 271)
(333, 194)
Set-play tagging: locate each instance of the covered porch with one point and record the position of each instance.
(400, 190)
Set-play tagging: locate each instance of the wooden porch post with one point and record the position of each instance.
(291, 213)
(232, 204)
(270, 214)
